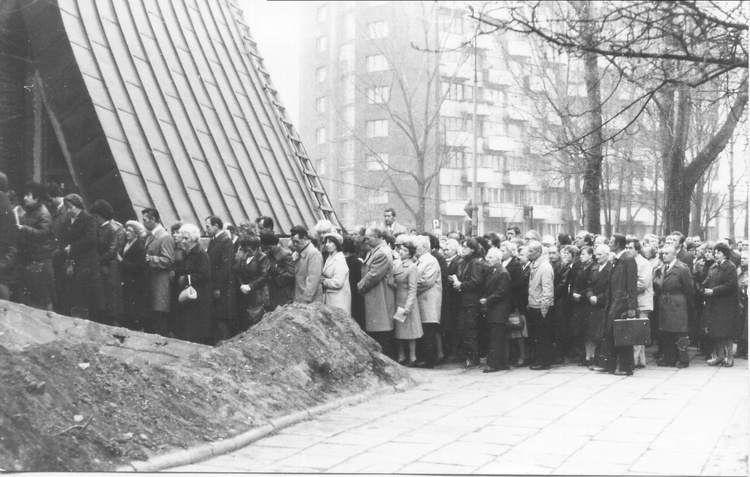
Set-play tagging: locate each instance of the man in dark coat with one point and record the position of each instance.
(60, 223)
(496, 299)
(280, 275)
(622, 300)
(87, 295)
(8, 241)
(221, 256)
(676, 293)
(36, 244)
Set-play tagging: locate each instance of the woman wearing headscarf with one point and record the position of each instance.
(134, 274)
(405, 278)
(87, 295)
(194, 316)
(719, 321)
(336, 274)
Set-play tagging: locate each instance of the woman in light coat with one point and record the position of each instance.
(336, 274)
(405, 277)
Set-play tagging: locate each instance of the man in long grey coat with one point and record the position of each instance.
(159, 258)
(308, 268)
(375, 286)
(430, 300)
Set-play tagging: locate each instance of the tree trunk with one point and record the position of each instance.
(682, 179)
(731, 189)
(697, 208)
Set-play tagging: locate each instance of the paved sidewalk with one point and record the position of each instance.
(568, 420)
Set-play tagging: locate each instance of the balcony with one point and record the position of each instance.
(518, 178)
(499, 210)
(451, 176)
(500, 143)
(484, 175)
(458, 138)
(454, 208)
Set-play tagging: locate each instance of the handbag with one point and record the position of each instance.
(188, 294)
(515, 321)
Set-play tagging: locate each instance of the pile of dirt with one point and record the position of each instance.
(72, 404)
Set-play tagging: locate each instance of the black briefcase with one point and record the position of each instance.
(633, 332)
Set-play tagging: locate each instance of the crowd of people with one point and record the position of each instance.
(511, 299)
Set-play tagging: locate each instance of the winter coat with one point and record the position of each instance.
(497, 292)
(336, 282)
(86, 287)
(107, 248)
(676, 297)
(193, 321)
(429, 288)
(376, 286)
(721, 309)
(36, 240)
(160, 249)
(308, 271)
(623, 291)
(134, 274)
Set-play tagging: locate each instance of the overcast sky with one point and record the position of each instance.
(275, 27)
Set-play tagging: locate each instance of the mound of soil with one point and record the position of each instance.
(84, 402)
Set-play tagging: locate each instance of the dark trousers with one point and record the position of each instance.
(483, 334)
(543, 329)
(450, 329)
(611, 356)
(467, 330)
(427, 344)
(385, 340)
(675, 348)
(497, 354)
(562, 330)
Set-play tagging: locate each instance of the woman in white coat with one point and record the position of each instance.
(336, 274)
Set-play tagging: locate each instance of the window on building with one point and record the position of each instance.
(455, 159)
(379, 95)
(347, 188)
(349, 27)
(349, 89)
(321, 44)
(320, 136)
(346, 58)
(322, 166)
(377, 29)
(349, 117)
(376, 63)
(378, 197)
(377, 128)
(320, 105)
(320, 74)
(376, 162)
(453, 91)
(322, 13)
(451, 23)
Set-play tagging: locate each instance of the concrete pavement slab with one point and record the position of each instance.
(430, 468)
(513, 468)
(670, 463)
(609, 452)
(459, 448)
(471, 459)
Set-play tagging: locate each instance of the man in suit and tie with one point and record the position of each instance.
(380, 302)
(622, 299)
(496, 298)
(159, 259)
(221, 256)
(391, 227)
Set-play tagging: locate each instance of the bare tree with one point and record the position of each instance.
(667, 49)
(410, 91)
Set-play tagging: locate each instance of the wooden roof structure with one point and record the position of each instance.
(165, 103)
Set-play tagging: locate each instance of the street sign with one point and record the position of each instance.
(468, 208)
(435, 223)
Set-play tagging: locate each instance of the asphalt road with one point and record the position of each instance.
(568, 420)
